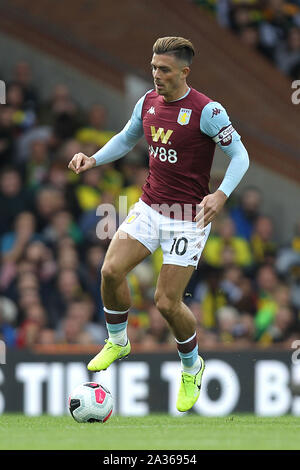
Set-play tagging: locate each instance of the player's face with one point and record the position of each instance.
(169, 75)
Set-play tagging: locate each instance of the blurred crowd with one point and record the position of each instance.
(271, 27)
(245, 292)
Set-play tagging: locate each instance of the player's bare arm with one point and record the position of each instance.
(81, 162)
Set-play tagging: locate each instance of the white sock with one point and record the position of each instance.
(119, 338)
(194, 368)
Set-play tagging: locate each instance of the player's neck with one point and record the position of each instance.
(179, 93)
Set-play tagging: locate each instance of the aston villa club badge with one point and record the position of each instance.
(184, 116)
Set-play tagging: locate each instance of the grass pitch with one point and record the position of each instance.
(153, 432)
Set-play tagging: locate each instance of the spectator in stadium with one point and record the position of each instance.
(288, 257)
(48, 201)
(66, 121)
(216, 250)
(7, 134)
(13, 243)
(67, 288)
(58, 178)
(158, 332)
(22, 74)
(8, 316)
(129, 166)
(81, 311)
(246, 212)
(27, 281)
(264, 25)
(25, 266)
(14, 198)
(35, 320)
(280, 329)
(64, 115)
(133, 191)
(38, 163)
(266, 283)
(73, 333)
(112, 180)
(27, 298)
(88, 191)
(95, 132)
(230, 283)
(65, 150)
(23, 118)
(262, 241)
(141, 284)
(68, 258)
(240, 16)
(208, 298)
(41, 256)
(90, 220)
(267, 312)
(65, 243)
(46, 337)
(287, 54)
(227, 322)
(61, 224)
(250, 37)
(60, 94)
(278, 17)
(244, 332)
(24, 143)
(93, 260)
(247, 304)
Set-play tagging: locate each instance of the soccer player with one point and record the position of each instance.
(182, 127)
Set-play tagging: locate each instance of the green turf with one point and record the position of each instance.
(150, 432)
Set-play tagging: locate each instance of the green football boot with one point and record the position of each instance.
(108, 354)
(189, 390)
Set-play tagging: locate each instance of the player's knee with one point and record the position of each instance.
(167, 305)
(110, 273)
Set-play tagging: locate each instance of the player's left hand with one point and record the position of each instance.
(209, 207)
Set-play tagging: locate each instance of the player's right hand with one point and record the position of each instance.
(81, 162)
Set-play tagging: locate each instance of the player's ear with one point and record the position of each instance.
(185, 71)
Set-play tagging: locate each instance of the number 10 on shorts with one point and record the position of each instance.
(179, 246)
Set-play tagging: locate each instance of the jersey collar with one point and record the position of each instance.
(182, 97)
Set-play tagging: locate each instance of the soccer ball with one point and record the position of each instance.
(91, 402)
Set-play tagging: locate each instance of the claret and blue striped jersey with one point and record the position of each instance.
(181, 138)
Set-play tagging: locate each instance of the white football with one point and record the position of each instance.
(91, 402)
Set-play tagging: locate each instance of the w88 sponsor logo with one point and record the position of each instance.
(163, 154)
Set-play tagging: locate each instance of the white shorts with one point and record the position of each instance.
(181, 241)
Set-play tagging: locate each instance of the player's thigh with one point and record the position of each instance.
(123, 254)
(171, 283)
(142, 223)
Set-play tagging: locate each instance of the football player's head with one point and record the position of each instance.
(172, 57)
